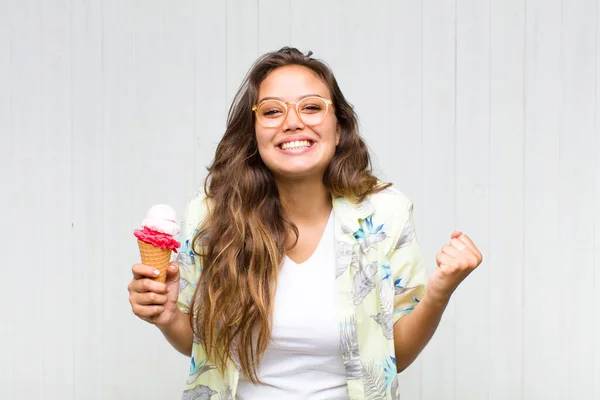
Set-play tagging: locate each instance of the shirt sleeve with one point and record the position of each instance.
(189, 265)
(407, 266)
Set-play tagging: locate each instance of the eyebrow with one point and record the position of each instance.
(298, 98)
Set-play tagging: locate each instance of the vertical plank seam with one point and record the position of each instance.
(12, 144)
(489, 197)
(11, 327)
(102, 176)
(523, 198)
(72, 186)
(421, 150)
(595, 220)
(195, 100)
(44, 131)
(561, 116)
(455, 176)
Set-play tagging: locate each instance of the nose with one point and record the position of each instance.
(292, 120)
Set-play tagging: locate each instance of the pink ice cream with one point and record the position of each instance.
(160, 228)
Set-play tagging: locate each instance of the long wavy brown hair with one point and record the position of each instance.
(241, 241)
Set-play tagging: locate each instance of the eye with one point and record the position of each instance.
(271, 109)
(312, 107)
(273, 112)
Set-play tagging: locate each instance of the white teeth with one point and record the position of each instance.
(295, 145)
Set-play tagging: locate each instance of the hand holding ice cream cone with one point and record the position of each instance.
(154, 301)
(156, 241)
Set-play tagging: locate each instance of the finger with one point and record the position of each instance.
(153, 286)
(147, 311)
(450, 264)
(444, 260)
(144, 285)
(455, 234)
(149, 299)
(467, 241)
(465, 255)
(173, 272)
(451, 251)
(173, 268)
(458, 245)
(144, 271)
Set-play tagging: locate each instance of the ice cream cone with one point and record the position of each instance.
(155, 257)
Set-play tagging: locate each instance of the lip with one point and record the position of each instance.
(294, 138)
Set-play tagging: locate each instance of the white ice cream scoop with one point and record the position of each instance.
(162, 218)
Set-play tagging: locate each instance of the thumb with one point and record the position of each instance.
(455, 235)
(172, 273)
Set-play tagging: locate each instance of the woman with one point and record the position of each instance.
(300, 275)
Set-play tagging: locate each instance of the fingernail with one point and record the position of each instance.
(156, 272)
(172, 268)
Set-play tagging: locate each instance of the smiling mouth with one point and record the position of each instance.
(300, 144)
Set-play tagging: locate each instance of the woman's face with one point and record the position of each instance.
(295, 150)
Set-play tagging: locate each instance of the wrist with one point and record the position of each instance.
(438, 300)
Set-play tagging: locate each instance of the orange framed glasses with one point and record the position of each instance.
(311, 110)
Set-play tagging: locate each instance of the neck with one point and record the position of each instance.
(304, 201)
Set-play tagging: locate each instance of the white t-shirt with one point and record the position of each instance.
(303, 360)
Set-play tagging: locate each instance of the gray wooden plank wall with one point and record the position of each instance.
(483, 112)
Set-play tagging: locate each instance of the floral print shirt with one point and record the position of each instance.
(380, 277)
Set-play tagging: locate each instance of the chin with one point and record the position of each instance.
(299, 174)
(295, 169)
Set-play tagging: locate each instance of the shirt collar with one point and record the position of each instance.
(350, 213)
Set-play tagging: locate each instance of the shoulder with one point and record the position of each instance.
(390, 200)
(386, 204)
(388, 208)
(393, 212)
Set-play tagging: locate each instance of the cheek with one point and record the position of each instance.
(264, 145)
(330, 132)
(262, 138)
(330, 137)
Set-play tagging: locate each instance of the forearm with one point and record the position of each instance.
(179, 333)
(413, 331)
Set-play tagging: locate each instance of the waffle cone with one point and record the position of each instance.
(155, 257)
